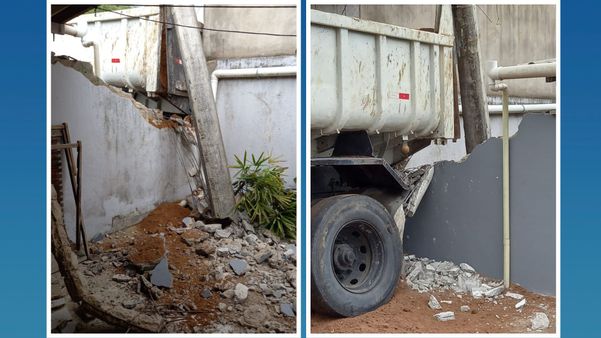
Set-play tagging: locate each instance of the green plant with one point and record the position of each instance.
(262, 194)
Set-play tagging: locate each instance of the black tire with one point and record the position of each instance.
(341, 225)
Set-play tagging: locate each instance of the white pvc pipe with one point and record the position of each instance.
(534, 70)
(520, 108)
(266, 72)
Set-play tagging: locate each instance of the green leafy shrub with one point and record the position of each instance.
(262, 195)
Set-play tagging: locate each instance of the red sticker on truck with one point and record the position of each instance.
(403, 96)
(115, 60)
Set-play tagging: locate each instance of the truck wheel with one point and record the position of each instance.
(356, 255)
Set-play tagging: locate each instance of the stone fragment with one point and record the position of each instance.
(160, 275)
(433, 303)
(239, 266)
(263, 255)
(494, 291)
(210, 228)
(514, 295)
(520, 304)
(251, 239)
(540, 321)
(57, 303)
(287, 309)
(206, 293)
(222, 307)
(467, 267)
(222, 251)
(445, 316)
(255, 316)
(205, 249)
(121, 278)
(228, 293)
(464, 308)
(152, 291)
(290, 253)
(130, 303)
(188, 221)
(223, 233)
(241, 292)
(247, 226)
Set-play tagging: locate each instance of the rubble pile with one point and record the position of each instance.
(198, 276)
(427, 275)
(424, 274)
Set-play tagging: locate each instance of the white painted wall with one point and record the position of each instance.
(129, 166)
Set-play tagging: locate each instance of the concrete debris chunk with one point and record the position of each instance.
(160, 275)
(445, 316)
(433, 303)
(188, 221)
(467, 267)
(287, 309)
(494, 292)
(210, 228)
(540, 321)
(247, 226)
(223, 233)
(206, 293)
(464, 308)
(520, 304)
(239, 266)
(205, 249)
(121, 278)
(57, 303)
(514, 295)
(146, 286)
(263, 255)
(241, 292)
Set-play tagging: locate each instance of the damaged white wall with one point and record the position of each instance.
(129, 165)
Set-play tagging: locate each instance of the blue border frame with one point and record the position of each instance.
(23, 202)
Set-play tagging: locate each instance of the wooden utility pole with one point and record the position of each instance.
(210, 143)
(473, 94)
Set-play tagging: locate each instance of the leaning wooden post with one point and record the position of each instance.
(473, 94)
(212, 152)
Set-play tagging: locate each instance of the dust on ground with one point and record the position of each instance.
(203, 297)
(408, 312)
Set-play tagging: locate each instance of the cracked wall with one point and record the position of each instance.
(129, 157)
(460, 217)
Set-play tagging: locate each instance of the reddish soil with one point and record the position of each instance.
(408, 312)
(144, 243)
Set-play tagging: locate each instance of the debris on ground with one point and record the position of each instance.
(444, 297)
(424, 274)
(445, 316)
(197, 277)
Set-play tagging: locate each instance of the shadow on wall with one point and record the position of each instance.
(460, 217)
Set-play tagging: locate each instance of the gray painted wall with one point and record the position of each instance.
(460, 217)
(129, 166)
(510, 34)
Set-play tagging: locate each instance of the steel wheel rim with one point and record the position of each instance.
(357, 256)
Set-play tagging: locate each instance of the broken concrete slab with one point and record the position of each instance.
(445, 316)
(160, 275)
